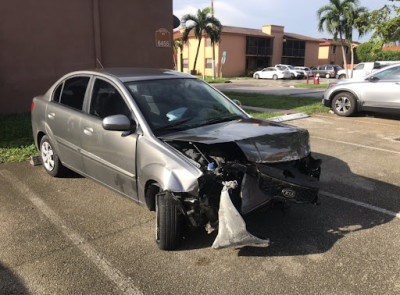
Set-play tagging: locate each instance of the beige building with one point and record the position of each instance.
(248, 49)
(42, 40)
(330, 52)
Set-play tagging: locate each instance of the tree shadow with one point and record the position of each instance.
(302, 229)
(10, 283)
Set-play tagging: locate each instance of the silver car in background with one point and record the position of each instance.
(379, 92)
(173, 144)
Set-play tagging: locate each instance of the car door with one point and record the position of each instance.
(264, 73)
(382, 90)
(108, 156)
(63, 116)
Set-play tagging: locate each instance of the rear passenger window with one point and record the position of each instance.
(73, 92)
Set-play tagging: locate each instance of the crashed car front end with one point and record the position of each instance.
(268, 161)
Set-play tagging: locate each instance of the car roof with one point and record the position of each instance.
(135, 74)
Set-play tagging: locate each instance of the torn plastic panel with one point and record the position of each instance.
(232, 228)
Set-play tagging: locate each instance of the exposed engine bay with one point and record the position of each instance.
(257, 184)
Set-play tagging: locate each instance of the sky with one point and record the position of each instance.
(297, 16)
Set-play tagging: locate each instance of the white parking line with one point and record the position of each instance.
(361, 204)
(124, 283)
(357, 145)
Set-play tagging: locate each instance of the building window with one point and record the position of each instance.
(185, 63)
(334, 49)
(258, 46)
(208, 42)
(208, 63)
(293, 48)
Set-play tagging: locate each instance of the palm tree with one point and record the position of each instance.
(350, 17)
(178, 45)
(200, 24)
(333, 16)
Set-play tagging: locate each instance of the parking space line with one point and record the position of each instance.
(124, 283)
(361, 204)
(369, 122)
(357, 145)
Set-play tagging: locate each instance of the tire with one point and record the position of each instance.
(291, 76)
(344, 104)
(275, 77)
(50, 160)
(257, 76)
(327, 76)
(168, 222)
(342, 76)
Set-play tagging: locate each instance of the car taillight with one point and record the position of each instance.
(32, 106)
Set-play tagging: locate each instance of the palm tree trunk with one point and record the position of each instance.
(352, 61)
(344, 55)
(197, 54)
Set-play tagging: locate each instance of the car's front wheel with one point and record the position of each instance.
(327, 76)
(344, 104)
(168, 221)
(50, 160)
(342, 76)
(275, 77)
(257, 76)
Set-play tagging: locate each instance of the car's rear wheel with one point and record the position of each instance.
(275, 77)
(50, 160)
(291, 76)
(168, 221)
(344, 104)
(327, 76)
(257, 76)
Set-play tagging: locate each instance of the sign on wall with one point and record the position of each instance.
(163, 38)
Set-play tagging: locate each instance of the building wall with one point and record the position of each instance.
(277, 32)
(235, 47)
(326, 55)
(40, 41)
(311, 56)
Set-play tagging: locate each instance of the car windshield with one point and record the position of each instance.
(291, 67)
(179, 104)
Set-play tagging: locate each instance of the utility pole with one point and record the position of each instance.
(213, 45)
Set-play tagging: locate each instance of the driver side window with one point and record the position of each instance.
(107, 101)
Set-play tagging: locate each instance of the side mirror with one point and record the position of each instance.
(117, 123)
(373, 79)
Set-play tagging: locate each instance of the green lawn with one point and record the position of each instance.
(311, 85)
(308, 105)
(16, 142)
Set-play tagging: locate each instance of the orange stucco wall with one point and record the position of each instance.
(311, 57)
(235, 47)
(325, 55)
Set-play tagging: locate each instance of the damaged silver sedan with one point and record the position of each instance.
(174, 144)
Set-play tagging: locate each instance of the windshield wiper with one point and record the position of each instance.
(220, 120)
(173, 125)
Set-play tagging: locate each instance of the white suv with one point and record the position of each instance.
(295, 74)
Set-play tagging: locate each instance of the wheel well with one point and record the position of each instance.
(39, 138)
(150, 191)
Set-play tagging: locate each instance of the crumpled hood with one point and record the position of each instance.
(261, 141)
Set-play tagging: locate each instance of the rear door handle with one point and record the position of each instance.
(88, 131)
(51, 115)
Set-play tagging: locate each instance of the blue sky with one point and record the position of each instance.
(297, 16)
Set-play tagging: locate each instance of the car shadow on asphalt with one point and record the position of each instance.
(303, 229)
(11, 283)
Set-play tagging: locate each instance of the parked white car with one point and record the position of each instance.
(272, 73)
(294, 74)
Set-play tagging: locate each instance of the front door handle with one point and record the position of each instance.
(51, 115)
(88, 131)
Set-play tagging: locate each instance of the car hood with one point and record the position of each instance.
(261, 141)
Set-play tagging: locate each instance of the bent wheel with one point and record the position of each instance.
(168, 221)
(51, 161)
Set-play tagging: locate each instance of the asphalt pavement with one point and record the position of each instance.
(73, 236)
